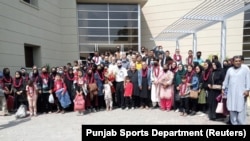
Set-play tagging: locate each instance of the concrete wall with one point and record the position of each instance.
(52, 26)
(158, 14)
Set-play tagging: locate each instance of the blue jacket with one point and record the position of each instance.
(195, 83)
(140, 77)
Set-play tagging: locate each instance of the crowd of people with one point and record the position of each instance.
(151, 79)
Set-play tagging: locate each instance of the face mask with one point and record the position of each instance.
(156, 64)
(198, 56)
(44, 72)
(60, 72)
(165, 70)
(119, 66)
(142, 51)
(54, 72)
(7, 73)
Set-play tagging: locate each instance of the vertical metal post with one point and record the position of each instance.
(194, 44)
(139, 28)
(177, 44)
(223, 41)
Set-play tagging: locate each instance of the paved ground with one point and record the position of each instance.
(55, 127)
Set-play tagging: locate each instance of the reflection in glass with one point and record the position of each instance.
(92, 15)
(101, 7)
(123, 15)
(124, 23)
(246, 24)
(128, 39)
(125, 7)
(93, 31)
(124, 31)
(88, 39)
(93, 23)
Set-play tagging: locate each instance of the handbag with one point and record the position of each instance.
(219, 108)
(51, 99)
(216, 87)
(21, 111)
(194, 94)
(93, 87)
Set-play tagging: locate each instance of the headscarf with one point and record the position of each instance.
(179, 74)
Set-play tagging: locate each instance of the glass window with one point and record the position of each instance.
(246, 46)
(93, 31)
(93, 23)
(125, 23)
(246, 39)
(247, 31)
(246, 24)
(123, 15)
(116, 7)
(88, 39)
(89, 7)
(123, 31)
(92, 15)
(124, 39)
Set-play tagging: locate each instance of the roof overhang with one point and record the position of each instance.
(206, 14)
(141, 2)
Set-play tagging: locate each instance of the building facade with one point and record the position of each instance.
(55, 32)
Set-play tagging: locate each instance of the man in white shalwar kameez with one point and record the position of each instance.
(237, 81)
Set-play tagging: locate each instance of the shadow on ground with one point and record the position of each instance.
(14, 123)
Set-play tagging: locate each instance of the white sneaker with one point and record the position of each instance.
(127, 108)
(177, 110)
(132, 108)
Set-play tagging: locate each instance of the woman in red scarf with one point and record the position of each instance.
(19, 90)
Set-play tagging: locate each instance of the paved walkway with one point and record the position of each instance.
(54, 127)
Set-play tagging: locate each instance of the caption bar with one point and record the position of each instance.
(109, 132)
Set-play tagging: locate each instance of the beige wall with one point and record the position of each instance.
(52, 26)
(158, 14)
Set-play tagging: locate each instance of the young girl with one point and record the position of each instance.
(108, 94)
(32, 90)
(128, 88)
(184, 90)
(58, 86)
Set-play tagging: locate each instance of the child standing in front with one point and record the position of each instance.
(108, 94)
(32, 90)
(184, 91)
(128, 90)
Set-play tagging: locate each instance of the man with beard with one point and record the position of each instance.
(237, 83)
(120, 74)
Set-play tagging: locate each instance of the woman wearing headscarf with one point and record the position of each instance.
(215, 85)
(202, 99)
(177, 81)
(18, 88)
(69, 79)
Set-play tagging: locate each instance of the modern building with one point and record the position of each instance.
(54, 32)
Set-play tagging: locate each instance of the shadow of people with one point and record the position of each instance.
(14, 123)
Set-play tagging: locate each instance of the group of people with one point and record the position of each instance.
(150, 79)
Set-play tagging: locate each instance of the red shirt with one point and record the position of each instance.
(58, 85)
(128, 89)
